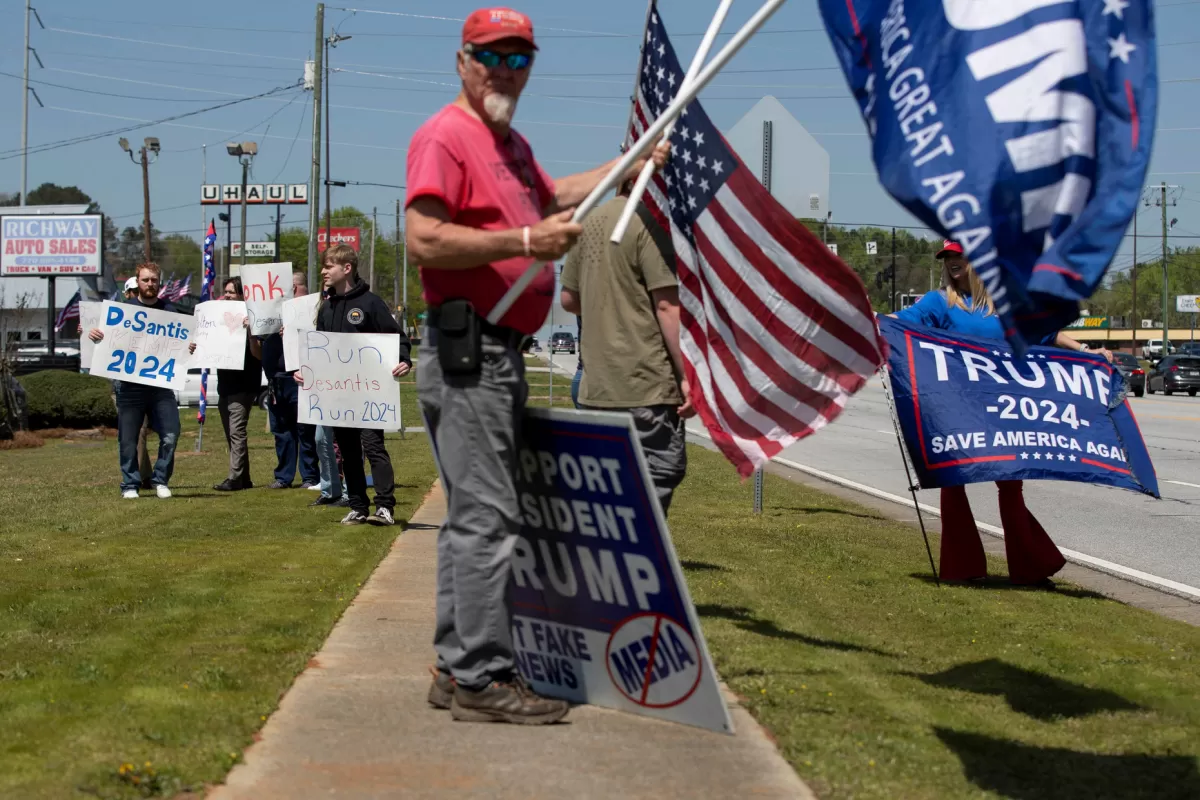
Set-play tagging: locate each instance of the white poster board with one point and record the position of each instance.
(299, 315)
(347, 380)
(90, 315)
(265, 287)
(220, 335)
(143, 345)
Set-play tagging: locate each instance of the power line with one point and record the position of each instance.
(106, 94)
(299, 128)
(165, 44)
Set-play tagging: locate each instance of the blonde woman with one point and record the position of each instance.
(964, 306)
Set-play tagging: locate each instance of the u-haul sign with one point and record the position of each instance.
(215, 194)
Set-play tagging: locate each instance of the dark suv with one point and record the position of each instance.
(562, 343)
(1175, 374)
(1131, 369)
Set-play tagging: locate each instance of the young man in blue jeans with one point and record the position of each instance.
(135, 402)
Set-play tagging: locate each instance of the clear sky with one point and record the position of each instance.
(128, 60)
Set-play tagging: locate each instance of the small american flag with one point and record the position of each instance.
(206, 286)
(70, 311)
(776, 332)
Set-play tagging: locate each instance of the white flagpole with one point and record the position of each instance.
(643, 145)
(643, 180)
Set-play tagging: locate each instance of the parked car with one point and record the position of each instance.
(1188, 349)
(190, 396)
(562, 343)
(1175, 374)
(1129, 366)
(532, 345)
(1153, 349)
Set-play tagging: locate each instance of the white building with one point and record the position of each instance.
(798, 167)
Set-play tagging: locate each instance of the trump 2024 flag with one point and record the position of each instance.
(1019, 128)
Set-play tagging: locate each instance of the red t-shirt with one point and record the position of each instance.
(490, 183)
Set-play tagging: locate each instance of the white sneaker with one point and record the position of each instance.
(130, 494)
(381, 517)
(354, 518)
(162, 491)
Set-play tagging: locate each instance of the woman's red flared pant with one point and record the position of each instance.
(1032, 556)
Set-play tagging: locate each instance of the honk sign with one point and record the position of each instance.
(266, 287)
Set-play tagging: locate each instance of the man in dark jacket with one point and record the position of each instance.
(293, 442)
(348, 306)
(135, 401)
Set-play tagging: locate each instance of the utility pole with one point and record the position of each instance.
(371, 268)
(893, 270)
(25, 139)
(314, 179)
(146, 203)
(245, 172)
(1134, 323)
(278, 217)
(395, 281)
(1166, 327)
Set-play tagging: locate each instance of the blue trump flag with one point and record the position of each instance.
(1021, 129)
(971, 410)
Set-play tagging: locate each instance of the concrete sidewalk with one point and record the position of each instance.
(356, 725)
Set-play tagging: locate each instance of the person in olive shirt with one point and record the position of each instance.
(295, 444)
(627, 298)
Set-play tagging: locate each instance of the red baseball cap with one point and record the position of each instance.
(489, 25)
(949, 247)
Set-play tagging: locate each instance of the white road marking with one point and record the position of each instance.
(1183, 483)
(1135, 575)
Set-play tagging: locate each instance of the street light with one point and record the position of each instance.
(245, 153)
(150, 145)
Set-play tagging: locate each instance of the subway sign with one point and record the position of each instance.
(1089, 322)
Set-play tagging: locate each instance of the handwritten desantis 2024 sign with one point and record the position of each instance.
(601, 613)
(347, 380)
(143, 345)
(266, 287)
(70, 244)
(971, 411)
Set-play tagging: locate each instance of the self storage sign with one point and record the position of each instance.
(51, 245)
(601, 613)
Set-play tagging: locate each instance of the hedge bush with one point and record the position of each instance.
(61, 399)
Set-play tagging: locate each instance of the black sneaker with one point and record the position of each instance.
(325, 500)
(230, 486)
(342, 502)
(280, 485)
(441, 690)
(510, 701)
(354, 518)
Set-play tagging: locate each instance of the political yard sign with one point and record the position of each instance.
(348, 381)
(51, 245)
(266, 287)
(143, 345)
(601, 613)
(971, 410)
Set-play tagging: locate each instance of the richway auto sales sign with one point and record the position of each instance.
(70, 244)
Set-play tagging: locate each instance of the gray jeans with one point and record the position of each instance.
(235, 419)
(663, 438)
(474, 424)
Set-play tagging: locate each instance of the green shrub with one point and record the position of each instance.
(61, 399)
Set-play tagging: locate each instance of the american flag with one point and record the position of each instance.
(70, 311)
(776, 332)
(206, 284)
(168, 287)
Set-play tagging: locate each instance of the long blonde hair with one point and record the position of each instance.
(979, 294)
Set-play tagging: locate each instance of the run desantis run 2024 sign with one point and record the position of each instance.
(601, 613)
(971, 410)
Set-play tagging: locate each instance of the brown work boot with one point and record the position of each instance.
(441, 691)
(507, 701)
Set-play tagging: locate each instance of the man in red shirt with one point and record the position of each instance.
(480, 210)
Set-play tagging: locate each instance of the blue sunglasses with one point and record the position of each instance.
(491, 59)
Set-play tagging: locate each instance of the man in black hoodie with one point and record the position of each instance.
(348, 306)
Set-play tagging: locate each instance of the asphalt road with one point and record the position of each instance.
(1161, 537)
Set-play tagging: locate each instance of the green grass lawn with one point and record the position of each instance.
(878, 684)
(162, 631)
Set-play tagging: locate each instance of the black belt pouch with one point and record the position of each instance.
(460, 342)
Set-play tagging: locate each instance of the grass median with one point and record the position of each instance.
(876, 683)
(142, 643)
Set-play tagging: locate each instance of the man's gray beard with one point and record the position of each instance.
(500, 108)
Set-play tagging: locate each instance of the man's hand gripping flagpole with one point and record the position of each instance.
(648, 140)
(647, 173)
